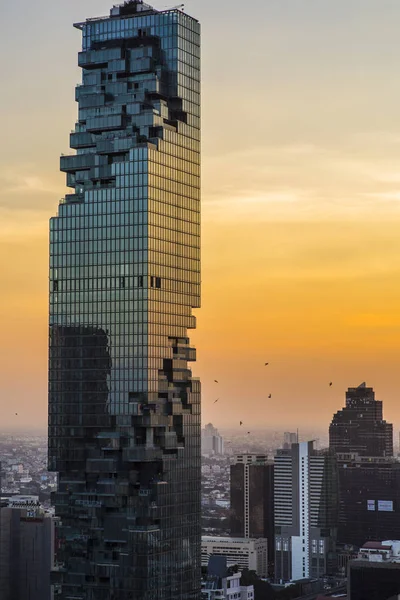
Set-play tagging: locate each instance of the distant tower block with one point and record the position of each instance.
(252, 498)
(359, 427)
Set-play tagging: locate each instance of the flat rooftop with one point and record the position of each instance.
(232, 540)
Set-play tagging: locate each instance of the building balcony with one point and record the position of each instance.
(77, 162)
(81, 140)
(93, 59)
(97, 124)
(73, 199)
(141, 454)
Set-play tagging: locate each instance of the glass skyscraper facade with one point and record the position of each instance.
(124, 409)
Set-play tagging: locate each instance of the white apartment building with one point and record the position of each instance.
(305, 502)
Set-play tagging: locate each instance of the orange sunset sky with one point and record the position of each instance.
(301, 202)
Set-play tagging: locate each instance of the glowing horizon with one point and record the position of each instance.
(301, 204)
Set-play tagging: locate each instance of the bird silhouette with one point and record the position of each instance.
(216, 401)
(270, 396)
(266, 364)
(331, 384)
(215, 381)
(249, 432)
(16, 414)
(241, 422)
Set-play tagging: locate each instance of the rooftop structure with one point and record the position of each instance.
(130, 8)
(388, 550)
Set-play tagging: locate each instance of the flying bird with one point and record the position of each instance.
(216, 401)
(16, 414)
(249, 432)
(331, 384)
(270, 396)
(266, 364)
(241, 422)
(215, 381)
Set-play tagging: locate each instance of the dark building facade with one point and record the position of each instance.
(373, 580)
(252, 499)
(369, 484)
(369, 508)
(359, 427)
(26, 550)
(124, 409)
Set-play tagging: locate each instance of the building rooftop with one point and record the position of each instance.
(376, 546)
(131, 8)
(232, 540)
(385, 551)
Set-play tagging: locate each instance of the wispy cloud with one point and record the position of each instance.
(24, 187)
(300, 181)
(393, 196)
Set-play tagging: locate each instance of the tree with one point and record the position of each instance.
(264, 590)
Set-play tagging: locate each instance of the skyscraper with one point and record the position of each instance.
(369, 478)
(306, 502)
(289, 438)
(124, 410)
(211, 441)
(359, 427)
(252, 499)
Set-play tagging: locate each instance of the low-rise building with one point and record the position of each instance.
(246, 553)
(223, 584)
(375, 574)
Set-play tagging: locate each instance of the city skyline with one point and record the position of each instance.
(301, 211)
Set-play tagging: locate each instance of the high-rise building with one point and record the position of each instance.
(359, 427)
(124, 410)
(26, 549)
(289, 438)
(369, 507)
(252, 498)
(306, 501)
(369, 478)
(211, 441)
